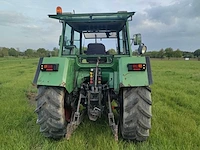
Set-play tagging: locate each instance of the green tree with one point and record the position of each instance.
(188, 54)
(177, 53)
(135, 52)
(112, 51)
(161, 53)
(42, 52)
(3, 52)
(169, 52)
(36, 54)
(148, 54)
(197, 53)
(29, 53)
(154, 54)
(55, 51)
(21, 53)
(13, 52)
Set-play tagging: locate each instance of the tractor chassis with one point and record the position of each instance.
(78, 116)
(93, 96)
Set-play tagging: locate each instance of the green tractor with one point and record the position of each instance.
(88, 79)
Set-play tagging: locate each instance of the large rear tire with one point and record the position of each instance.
(136, 114)
(50, 110)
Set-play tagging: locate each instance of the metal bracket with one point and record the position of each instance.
(76, 120)
(111, 120)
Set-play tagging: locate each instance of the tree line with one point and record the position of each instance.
(166, 53)
(170, 53)
(41, 52)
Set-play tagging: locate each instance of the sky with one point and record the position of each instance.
(171, 23)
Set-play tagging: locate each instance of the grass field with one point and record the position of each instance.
(175, 122)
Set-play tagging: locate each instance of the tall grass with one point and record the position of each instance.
(175, 122)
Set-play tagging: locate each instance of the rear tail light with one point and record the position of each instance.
(49, 67)
(136, 67)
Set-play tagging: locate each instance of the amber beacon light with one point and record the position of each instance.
(58, 10)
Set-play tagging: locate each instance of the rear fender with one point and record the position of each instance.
(64, 77)
(134, 78)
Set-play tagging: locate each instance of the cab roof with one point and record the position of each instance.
(95, 21)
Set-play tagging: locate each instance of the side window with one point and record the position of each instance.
(77, 39)
(67, 40)
(71, 43)
(125, 41)
(121, 42)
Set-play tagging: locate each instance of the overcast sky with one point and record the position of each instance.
(170, 23)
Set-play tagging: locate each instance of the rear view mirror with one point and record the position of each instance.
(137, 38)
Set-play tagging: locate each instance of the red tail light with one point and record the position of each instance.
(136, 67)
(49, 67)
(91, 81)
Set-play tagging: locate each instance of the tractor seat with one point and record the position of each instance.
(96, 49)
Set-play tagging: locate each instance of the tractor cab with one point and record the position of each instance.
(95, 34)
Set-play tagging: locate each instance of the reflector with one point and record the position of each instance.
(140, 65)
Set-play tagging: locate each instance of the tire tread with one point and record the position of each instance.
(50, 110)
(136, 113)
